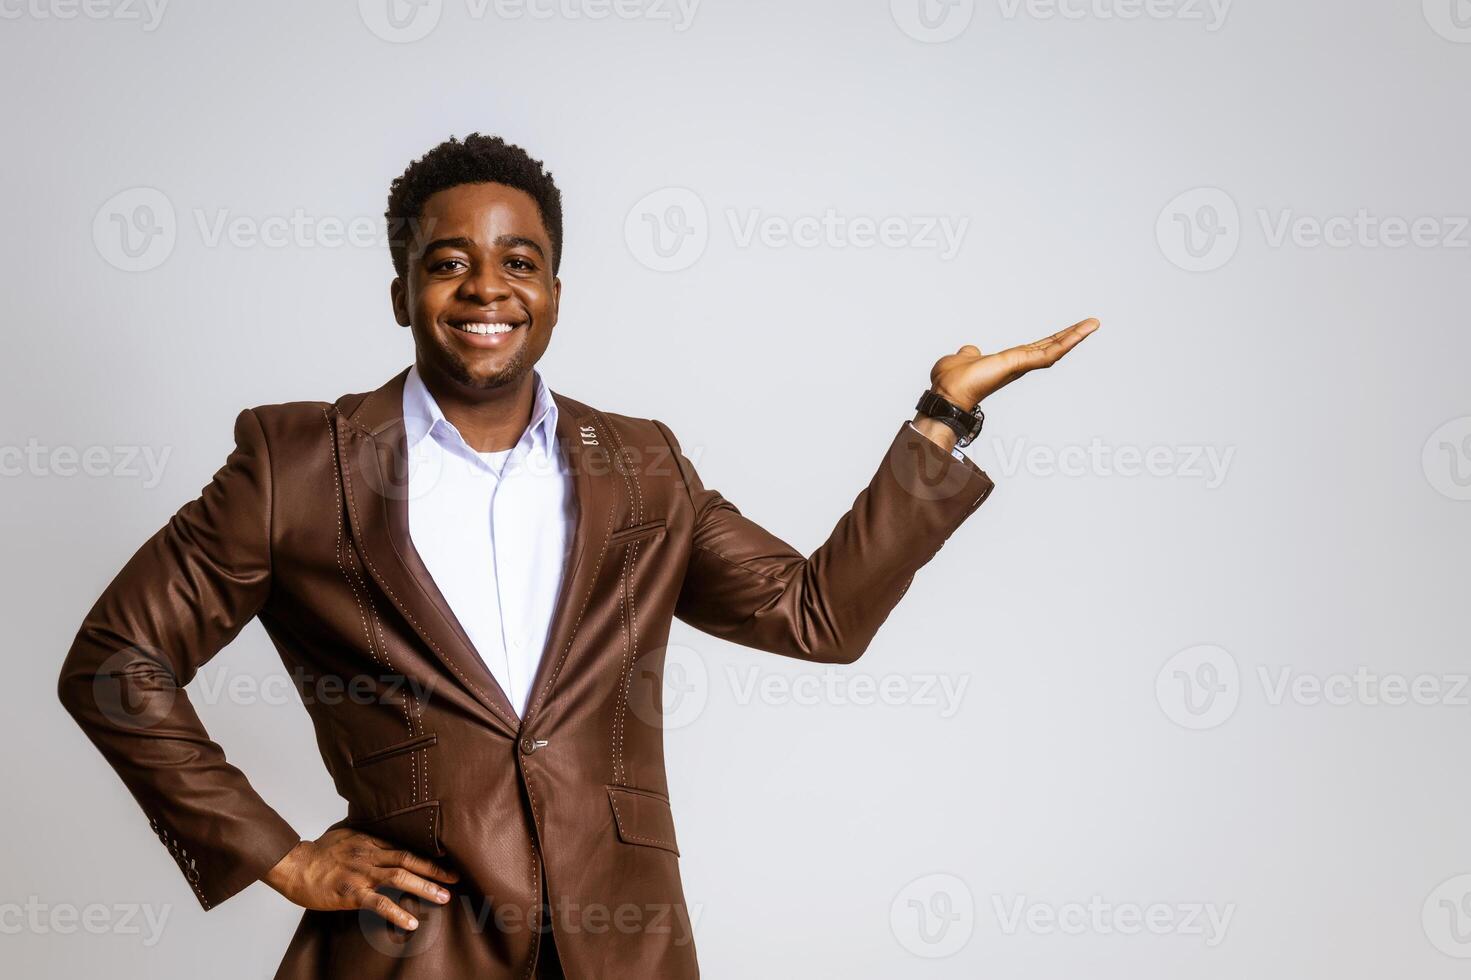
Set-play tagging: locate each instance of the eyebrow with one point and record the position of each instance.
(468, 244)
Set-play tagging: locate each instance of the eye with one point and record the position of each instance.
(447, 265)
(521, 264)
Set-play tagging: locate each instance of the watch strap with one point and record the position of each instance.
(967, 424)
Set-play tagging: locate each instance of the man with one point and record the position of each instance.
(490, 569)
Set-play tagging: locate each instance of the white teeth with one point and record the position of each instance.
(484, 328)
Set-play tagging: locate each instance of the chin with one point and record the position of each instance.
(483, 378)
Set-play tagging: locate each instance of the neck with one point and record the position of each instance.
(489, 419)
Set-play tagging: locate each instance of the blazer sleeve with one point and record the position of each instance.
(746, 585)
(185, 594)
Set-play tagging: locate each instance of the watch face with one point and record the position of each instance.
(977, 420)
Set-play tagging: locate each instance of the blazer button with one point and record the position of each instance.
(530, 745)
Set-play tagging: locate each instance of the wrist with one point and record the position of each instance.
(285, 870)
(941, 410)
(936, 431)
(966, 404)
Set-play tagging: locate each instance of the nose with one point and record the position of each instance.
(484, 286)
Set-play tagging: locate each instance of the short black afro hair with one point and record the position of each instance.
(475, 160)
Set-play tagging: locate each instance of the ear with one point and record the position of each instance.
(556, 298)
(398, 297)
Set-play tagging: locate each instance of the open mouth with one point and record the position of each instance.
(484, 329)
(487, 335)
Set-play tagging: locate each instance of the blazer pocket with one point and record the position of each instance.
(415, 828)
(397, 748)
(643, 817)
(635, 532)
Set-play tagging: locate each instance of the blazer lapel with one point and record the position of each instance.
(585, 441)
(372, 459)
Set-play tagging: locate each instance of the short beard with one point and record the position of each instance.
(455, 367)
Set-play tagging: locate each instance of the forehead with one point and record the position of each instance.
(482, 212)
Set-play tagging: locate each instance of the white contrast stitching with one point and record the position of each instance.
(352, 503)
(592, 584)
(358, 601)
(630, 632)
(626, 835)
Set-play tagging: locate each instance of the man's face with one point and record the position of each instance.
(479, 262)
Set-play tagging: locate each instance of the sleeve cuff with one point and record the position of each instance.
(954, 451)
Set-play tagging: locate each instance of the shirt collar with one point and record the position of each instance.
(422, 415)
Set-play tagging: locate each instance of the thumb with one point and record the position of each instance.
(970, 349)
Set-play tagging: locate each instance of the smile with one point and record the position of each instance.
(485, 329)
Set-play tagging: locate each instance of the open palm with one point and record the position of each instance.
(968, 376)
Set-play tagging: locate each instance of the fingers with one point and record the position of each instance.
(373, 863)
(392, 857)
(1077, 331)
(1048, 351)
(406, 881)
(382, 906)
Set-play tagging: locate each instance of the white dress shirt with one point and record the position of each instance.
(493, 529)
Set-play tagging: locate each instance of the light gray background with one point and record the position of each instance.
(826, 836)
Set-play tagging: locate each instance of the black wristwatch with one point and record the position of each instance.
(967, 425)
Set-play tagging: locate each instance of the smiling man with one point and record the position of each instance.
(492, 567)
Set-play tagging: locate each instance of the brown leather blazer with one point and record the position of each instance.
(305, 526)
